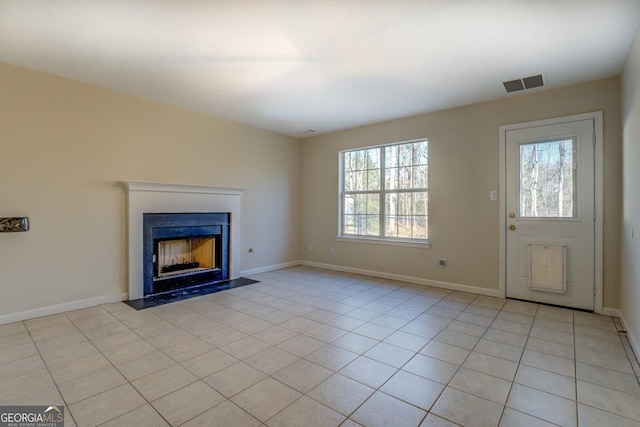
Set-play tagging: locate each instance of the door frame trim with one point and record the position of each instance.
(597, 117)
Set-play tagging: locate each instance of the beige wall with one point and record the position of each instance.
(630, 274)
(463, 222)
(64, 146)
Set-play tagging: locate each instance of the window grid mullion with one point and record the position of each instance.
(381, 202)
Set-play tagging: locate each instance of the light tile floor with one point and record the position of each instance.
(310, 347)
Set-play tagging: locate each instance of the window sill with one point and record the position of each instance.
(390, 242)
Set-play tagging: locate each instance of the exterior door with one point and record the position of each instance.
(550, 213)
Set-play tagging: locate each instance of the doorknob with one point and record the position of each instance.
(512, 227)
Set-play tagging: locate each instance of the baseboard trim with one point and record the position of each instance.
(408, 279)
(106, 299)
(611, 312)
(635, 343)
(61, 308)
(269, 268)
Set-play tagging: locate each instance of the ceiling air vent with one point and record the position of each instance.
(533, 81)
(513, 85)
(524, 83)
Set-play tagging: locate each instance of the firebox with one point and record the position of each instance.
(173, 257)
(183, 250)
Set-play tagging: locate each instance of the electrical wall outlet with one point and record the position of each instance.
(442, 262)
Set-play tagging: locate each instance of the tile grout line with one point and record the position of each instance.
(348, 417)
(130, 382)
(513, 381)
(49, 371)
(116, 368)
(312, 296)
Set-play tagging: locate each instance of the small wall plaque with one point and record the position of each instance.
(10, 225)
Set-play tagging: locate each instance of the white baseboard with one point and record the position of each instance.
(61, 308)
(269, 268)
(106, 299)
(633, 340)
(408, 279)
(611, 312)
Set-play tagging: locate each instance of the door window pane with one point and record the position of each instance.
(548, 179)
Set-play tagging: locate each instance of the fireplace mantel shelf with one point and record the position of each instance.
(181, 188)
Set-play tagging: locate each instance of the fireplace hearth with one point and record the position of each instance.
(184, 250)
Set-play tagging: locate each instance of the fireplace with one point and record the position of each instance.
(184, 250)
(145, 197)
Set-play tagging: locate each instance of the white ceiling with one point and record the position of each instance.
(294, 65)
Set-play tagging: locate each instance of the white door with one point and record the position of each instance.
(550, 214)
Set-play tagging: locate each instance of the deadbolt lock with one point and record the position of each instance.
(512, 215)
(512, 227)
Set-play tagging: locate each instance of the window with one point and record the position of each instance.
(547, 179)
(384, 192)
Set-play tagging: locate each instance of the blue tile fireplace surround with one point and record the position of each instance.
(184, 250)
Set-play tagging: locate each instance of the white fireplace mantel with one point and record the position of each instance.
(151, 197)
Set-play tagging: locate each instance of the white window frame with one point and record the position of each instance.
(395, 241)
